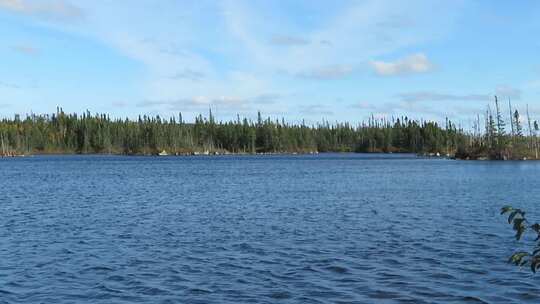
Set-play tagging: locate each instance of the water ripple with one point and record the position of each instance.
(331, 229)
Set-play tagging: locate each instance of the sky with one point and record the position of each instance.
(301, 60)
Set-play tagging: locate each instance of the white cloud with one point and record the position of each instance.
(355, 32)
(413, 64)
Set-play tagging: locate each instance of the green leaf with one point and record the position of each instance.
(517, 257)
(516, 217)
(505, 209)
(519, 227)
(513, 215)
(519, 234)
(535, 264)
(518, 224)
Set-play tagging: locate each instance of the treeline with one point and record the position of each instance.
(98, 133)
(499, 137)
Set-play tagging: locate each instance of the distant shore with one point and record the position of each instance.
(164, 153)
(226, 153)
(195, 154)
(63, 133)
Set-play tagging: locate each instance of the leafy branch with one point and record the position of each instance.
(520, 224)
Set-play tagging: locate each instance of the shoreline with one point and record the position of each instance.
(161, 154)
(226, 153)
(201, 154)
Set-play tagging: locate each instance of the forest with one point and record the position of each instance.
(70, 133)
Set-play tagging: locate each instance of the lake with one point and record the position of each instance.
(328, 228)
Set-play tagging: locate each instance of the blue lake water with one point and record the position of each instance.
(332, 228)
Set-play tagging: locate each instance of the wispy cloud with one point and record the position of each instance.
(181, 63)
(508, 92)
(9, 85)
(119, 104)
(267, 98)
(326, 42)
(402, 108)
(436, 96)
(315, 109)
(26, 49)
(224, 102)
(369, 22)
(328, 72)
(180, 60)
(364, 105)
(189, 74)
(54, 9)
(154, 103)
(413, 64)
(396, 22)
(284, 40)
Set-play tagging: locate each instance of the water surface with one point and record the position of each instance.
(336, 228)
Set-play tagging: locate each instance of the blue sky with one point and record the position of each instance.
(337, 60)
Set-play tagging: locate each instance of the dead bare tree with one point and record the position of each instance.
(530, 141)
(511, 120)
